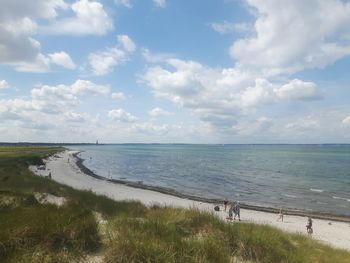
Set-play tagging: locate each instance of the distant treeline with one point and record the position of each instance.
(41, 144)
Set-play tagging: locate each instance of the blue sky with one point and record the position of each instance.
(215, 71)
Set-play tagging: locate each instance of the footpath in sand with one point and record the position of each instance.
(336, 234)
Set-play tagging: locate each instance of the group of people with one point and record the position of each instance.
(235, 211)
(309, 229)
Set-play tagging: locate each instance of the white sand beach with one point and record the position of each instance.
(336, 234)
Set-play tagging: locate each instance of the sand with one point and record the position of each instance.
(64, 170)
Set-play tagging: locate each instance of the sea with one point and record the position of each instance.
(311, 178)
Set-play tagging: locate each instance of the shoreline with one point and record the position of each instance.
(172, 192)
(65, 170)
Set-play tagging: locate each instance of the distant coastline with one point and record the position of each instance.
(156, 143)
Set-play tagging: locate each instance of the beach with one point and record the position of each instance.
(64, 169)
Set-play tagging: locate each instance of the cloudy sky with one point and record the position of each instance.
(191, 71)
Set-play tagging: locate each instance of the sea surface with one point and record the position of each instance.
(306, 177)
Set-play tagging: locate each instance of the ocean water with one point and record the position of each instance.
(306, 177)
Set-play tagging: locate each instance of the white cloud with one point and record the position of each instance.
(81, 87)
(127, 43)
(228, 27)
(15, 9)
(50, 109)
(121, 115)
(103, 62)
(118, 96)
(126, 3)
(157, 112)
(18, 25)
(221, 96)
(62, 59)
(90, 19)
(41, 64)
(299, 90)
(4, 84)
(16, 44)
(72, 116)
(260, 93)
(155, 57)
(346, 121)
(304, 124)
(160, 3)
(302, 36)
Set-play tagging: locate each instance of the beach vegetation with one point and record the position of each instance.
(88, 225)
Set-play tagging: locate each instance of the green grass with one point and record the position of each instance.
(34, 232)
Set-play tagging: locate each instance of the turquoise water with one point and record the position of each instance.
(307, 177)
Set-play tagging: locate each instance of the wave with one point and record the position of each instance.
(316, 190)
(341, 198)
(290, 196)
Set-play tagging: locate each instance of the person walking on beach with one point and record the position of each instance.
(237, 209)
(225, 205)
(309, 227)
(230, 212)
(280, 215)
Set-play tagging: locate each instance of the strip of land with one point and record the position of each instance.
(64, 169)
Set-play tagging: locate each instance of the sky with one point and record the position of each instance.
(175, 71)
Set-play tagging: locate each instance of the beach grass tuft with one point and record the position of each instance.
(131, 232)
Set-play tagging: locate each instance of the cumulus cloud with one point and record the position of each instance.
(81, 87)
(159, 3)
(18, 26)
(62, 59)
(41, 64)
(155, 57)
(104, 62)
(4, 84)
(121, 115)
(118, 96)
(15, 9)
(221, 96)
(157, 112)
(90, 19)
(127, 43)
(301, 36)
(51, 111)
(299, 90)
(346, 121)
(228, 27)
(126, 3)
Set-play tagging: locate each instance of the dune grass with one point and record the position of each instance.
(178, 235)
(34, 232)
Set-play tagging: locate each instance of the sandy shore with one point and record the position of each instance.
(333, 233)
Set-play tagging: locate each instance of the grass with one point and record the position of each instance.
(34, 232)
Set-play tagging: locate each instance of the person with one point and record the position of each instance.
(49, 176)
(309, 226)
(225, 205)
(230, 212)
(280, 215)
(237, 211)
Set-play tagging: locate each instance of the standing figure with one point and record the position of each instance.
(309, 226)
(230, 212)
(237, 211)
(280, 215)
(225, 205)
